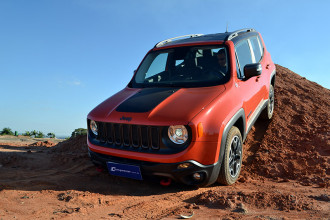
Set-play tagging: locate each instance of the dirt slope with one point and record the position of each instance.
(296, 143)
(285, 173)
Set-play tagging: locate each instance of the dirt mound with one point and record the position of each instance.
(43, 144)
(75, 144)
(296, 143)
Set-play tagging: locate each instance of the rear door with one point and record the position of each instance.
(266, 63)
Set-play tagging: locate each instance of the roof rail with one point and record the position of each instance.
(235, 33)
(162, 43)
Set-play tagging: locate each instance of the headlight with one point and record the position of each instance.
(93, 127)
(178, 134)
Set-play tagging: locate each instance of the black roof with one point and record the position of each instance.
(234, 36)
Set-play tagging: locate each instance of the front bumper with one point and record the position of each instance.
(209, 173)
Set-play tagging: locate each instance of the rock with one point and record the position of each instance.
(241, 208)
(229, 204)
(63, 197)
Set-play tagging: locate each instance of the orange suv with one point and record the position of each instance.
(187, 110)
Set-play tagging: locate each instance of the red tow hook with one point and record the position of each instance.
(166, 182)
(99, 169)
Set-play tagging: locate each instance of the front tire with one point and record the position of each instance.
(232, 161)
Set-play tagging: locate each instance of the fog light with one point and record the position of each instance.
(184, 165)
(197, 176)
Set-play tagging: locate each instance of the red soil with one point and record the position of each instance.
(285, 173)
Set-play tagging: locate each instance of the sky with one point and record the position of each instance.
(61, 58)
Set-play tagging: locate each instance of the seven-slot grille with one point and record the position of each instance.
(136, 136)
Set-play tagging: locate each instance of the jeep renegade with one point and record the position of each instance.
(187, 110)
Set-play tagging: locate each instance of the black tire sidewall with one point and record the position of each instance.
(271, 90)
(224, 175)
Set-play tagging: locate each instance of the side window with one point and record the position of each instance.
(243, 54)
(255, 43)
(158, 65)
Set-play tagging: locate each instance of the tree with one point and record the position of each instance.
(7, 131)
(51, 135)
(34, 133)
(27, 133)
(40, 134)
(79, 131)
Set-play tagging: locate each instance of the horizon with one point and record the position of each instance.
(60, 59)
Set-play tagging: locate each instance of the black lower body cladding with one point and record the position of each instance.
(208, 174)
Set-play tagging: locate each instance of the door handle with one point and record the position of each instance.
(267, 66)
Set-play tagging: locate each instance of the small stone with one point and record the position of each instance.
(68, 198)
(61, 196)
(242, 179)
(229, 204)
(241, 208)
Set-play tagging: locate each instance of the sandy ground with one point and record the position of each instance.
(285, 173)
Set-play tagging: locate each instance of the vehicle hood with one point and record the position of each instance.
(155, 106)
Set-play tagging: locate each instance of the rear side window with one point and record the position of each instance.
(244, 57)
(255, 43)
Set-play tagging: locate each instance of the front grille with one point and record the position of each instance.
(129, 136)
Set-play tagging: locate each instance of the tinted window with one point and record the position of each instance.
(158, 65)
(244, 56)
(184, 67)
(256, 48)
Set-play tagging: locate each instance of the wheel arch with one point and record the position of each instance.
(238, 120)
(272, 78)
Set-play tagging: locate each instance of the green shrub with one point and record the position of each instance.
(51, 135)
(40, 135)
(27, 133)
(79, 131)
(6, 131)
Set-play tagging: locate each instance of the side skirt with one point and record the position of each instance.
(262, 105)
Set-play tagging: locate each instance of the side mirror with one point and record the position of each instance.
(253, 69)
(134, 71)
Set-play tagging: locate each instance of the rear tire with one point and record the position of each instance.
(232, 161)
(267, 113)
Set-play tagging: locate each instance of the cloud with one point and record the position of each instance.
(74, 82)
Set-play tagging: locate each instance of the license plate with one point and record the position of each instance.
(124, 170)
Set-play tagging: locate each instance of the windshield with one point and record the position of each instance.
(184, 67)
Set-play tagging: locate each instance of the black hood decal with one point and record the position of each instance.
(145, 100)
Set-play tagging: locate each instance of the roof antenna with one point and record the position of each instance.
(227, 27)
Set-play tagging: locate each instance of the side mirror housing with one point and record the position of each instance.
(253, 69)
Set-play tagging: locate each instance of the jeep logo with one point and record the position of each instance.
(126, 118)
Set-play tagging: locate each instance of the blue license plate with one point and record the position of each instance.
(124, 170)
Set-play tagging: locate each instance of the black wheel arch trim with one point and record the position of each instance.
(273, 76)
(240, 114)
